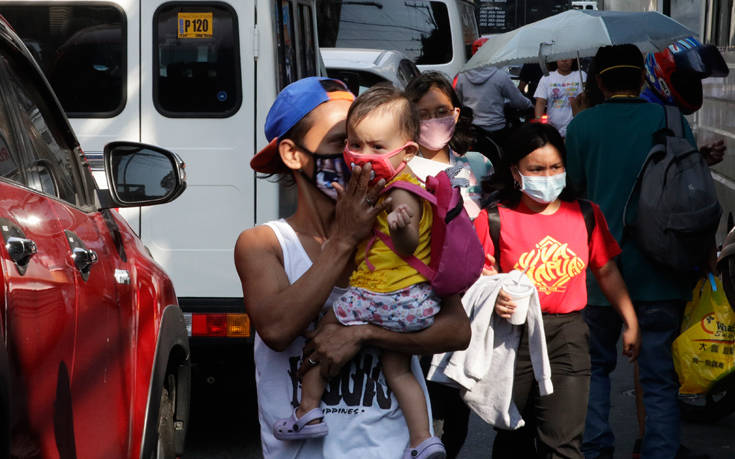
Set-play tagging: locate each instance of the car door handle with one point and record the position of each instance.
(20, 249)
(83, 260)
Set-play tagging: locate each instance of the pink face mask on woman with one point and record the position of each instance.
(436, 133)
(382, 167)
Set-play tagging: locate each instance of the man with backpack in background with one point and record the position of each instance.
(607, 145)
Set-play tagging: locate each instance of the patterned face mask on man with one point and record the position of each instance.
(328, 169)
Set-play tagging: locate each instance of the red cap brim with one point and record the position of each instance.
(265, 160)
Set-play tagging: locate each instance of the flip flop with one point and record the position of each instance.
(431, 448)
(295, 428)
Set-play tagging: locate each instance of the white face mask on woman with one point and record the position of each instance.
(543, 189)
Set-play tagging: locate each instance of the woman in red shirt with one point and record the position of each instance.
(543, 231)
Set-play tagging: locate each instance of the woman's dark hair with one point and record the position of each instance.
(500, 186)
(551, 66)
(417, 88)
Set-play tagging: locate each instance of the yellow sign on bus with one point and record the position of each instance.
(195, 25)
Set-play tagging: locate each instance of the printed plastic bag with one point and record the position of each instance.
(703, 353)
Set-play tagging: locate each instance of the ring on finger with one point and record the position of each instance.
(312, 362)
(370, 201)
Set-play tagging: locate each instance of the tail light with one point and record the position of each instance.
(218, 325)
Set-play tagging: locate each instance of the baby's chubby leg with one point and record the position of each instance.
(403, 383)
(312, 383)
(307, 420)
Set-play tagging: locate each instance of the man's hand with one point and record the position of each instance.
(631, 342)
(332, 345)
(578, 103)
(713, 152)
(356, 206)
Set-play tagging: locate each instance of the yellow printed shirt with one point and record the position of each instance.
(391, 271)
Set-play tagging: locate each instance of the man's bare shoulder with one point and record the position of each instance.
(257, 243)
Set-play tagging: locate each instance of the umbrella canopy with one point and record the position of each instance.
(578, 32)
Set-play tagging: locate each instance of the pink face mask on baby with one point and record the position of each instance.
(436, 133)
(382, 167)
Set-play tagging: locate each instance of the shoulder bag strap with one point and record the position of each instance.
(674, 121)
(493, 219)
(412, 188)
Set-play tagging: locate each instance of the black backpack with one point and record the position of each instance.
(493, 219)
(678, 210)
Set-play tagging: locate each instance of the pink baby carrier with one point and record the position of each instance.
(457, 256)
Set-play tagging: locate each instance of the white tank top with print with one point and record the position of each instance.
(362, 413)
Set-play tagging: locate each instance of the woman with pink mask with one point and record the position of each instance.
(445, 136)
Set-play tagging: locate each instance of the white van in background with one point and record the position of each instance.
(361, 68)
(197, 78)
(435, 34)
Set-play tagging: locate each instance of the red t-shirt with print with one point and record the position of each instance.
(556, 248)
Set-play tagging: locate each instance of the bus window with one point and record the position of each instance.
(81, 50)
(419, 29)
(287, 72)
(197, 61)
(308, 52)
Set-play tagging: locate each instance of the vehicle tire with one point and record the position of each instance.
(718, 402)
(165, 444)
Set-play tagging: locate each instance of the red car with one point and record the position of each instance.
(94, 358)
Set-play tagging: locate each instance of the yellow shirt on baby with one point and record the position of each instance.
(391, 272)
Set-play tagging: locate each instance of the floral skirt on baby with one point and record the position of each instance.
(406, 310)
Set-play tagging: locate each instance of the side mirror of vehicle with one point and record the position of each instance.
(141, 175)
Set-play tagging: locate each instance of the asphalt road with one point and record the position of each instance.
(224, 430)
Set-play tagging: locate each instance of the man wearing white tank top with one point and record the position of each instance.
(292, 269)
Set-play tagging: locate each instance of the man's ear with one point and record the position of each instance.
(291, 155)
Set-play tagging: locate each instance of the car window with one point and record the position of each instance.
(81, 50)
(356, 80)
(197, 60)
(48, 163)
(285, 40)
(419, 29)
(407, 71)
(469, 27)
(10, 165)
(307, 54)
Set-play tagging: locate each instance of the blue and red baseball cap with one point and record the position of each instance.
(292, 104)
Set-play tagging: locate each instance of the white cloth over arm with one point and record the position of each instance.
(484, 371)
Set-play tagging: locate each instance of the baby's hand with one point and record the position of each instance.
(400, 217)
